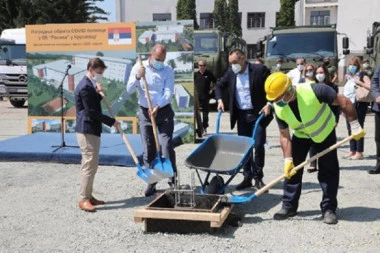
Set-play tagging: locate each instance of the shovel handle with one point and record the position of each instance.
(154, 126)
(129, 147)
(298, 167)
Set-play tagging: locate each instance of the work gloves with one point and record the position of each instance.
(357, 131)
(288, 168)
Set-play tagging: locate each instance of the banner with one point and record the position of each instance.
(51, 48)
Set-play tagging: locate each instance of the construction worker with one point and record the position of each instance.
(305, 109)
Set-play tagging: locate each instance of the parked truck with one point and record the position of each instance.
(13, 71)
(311, 42)
(373, 45)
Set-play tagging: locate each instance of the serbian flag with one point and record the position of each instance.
(119, 36)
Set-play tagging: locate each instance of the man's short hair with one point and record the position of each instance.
(237, 51)
(95, 63)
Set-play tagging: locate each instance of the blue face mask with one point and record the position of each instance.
(157, 64)
(309, 74)
(281, 103)
(352, 69)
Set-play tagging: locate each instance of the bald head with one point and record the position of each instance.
(158, 52)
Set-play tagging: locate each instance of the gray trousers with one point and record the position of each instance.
(165, 125)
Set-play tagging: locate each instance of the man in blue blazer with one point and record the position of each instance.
(247, 100)
(89, 119)
(375, 88)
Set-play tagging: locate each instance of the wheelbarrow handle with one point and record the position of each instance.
(218, 121)
(257, 124)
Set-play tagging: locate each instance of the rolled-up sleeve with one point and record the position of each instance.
(133, 83)
(168, 91)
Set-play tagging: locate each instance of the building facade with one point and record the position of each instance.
(257, 16)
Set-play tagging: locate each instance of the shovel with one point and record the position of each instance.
(148, 175)
(243, 199)
(161, 164)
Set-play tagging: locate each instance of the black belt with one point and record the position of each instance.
(249, 111)
(146, 109)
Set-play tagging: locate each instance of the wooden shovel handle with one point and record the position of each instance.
(298, 167)
(129, 147)
(154, 126)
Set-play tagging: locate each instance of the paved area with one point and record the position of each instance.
(39, 212)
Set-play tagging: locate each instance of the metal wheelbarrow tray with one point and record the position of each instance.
(221, 154)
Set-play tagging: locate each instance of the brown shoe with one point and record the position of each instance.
(86, 206)
(96, 202)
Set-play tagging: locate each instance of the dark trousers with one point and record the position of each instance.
(377, 134)
(312, 153)
(205, 110)
(165, 125)
(245, 124)
(361, 111)
(328, 173)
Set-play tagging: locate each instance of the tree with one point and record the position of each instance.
(220, 15)
(286, 14)
(18, 13)
(234, 17)
(172, 64)
(186, 9)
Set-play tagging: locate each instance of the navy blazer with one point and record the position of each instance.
(375, 87)
(258, 73)
(89, 111)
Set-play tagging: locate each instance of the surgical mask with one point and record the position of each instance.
(352, 69)
(365, 65)
(320, 77)
(278, 65)
(282, 102)
(157, 64)
(98, 77)
(309, 74)
(300, 67)
(236, 68)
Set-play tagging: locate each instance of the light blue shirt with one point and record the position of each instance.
(349, 88)
(160, 84)
(243, 94)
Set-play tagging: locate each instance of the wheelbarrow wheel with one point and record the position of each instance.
(216, 186)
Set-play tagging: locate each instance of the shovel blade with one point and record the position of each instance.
(240, 199)
(148, 175)
(163, 166)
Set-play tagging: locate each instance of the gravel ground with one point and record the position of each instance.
(39, 212)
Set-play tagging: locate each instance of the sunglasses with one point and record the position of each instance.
(202, 65)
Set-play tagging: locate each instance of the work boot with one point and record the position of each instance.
(329, 217)
(150, 190)
(246, 183)
(375, 170)
(283, 214)
(259, 184)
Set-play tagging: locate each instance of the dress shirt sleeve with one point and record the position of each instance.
(168, 89)
(133, 83)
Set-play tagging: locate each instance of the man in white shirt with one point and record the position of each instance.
(296, 73)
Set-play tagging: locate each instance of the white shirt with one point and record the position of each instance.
(243, 94)
(294, 75)
(349, 88)
(160, 84)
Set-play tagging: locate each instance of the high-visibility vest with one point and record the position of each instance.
(317, 118)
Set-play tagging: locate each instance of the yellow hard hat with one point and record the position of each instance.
(276, 85)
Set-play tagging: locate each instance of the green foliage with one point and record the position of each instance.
(286, 14)
(186, 10)
(220, 15)
(18, 13)
(235, 22)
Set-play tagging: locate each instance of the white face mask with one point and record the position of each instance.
(98, 77)
(300, 67)
(236, 68)
(365, 65)
(320, 77)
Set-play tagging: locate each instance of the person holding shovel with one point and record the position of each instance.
(89, 120)
(305, 109)
(160, 81)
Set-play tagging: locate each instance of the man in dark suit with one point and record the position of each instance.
(247, 100)
(89, 119)
(375, 88)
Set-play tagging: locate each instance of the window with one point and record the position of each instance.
(162, 16)
(255, 19)
(251, 51)
(206, 21)
(320, 18)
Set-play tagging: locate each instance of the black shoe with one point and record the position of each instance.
(283, 214)
(150, 190)
(246, 183)
(376, 170)
(329, 217)
(259, 184)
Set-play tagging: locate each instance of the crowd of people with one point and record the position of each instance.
(305, 102)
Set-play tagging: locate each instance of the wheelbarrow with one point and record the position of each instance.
(221, 154)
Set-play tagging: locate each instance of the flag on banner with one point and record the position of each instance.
(119, 36)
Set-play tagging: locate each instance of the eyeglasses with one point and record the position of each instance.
(202, 65)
